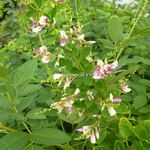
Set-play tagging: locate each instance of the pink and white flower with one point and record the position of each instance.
(43, 20)
(32, 24)
(45, 54)
(125, 88)
(64, 38)
(114, 100)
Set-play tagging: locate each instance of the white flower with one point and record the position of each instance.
(111, 111)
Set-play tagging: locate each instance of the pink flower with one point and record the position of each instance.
(109, 68)
(43, 20)
(32, 24)
(64, 38)
(114, 100)
(99, 71)
(45, 54)
(46, 58)
(125, 88)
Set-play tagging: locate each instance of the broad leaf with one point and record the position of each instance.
(49, 136)
(3, 72)
(25, 71)
(119, 145)
(126, 129)
(143, 130)
(139, 101)
(14, 141)
(115, 29)
(33, 147)
(107, 44)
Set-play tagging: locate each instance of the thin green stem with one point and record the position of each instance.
(134, 24)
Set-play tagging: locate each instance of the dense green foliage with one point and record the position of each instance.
(65, 68)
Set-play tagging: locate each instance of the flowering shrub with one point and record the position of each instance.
(71, 86)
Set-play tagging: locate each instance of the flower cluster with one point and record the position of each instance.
(66, 102)
(103, 69)
(78, 38)
(42, 21)
(45, 54)
(89, 132)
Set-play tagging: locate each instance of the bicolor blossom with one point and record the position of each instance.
(111, 110)
(45, 54)
(103, 69)
(42, 21)
(66, 102)
(89, 133)
(64, 38)
(125, 88)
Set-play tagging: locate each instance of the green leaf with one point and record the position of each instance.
(107, 44)
(141, 89)
(137, 146)
(126, 129)
(49, 136)
(74, 52)
(25, 102)
(14, 141)
(144, 110)
(139, 101)
(33, 147)
(2, 54)
(2, 28)
(21, 88)
(3, 72)
(53, 12)
(25, 71)
(12, 92)
(99, 85)
(123, 74)
(122, 109)
(85, 52)
(119, 146)
(143, 130)
(31, 13)
(69, 65)
(31, 88)
(115, 29)
(17, 116)
(39, 3)
(87, 81)
(32, 114)
(145, 82)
